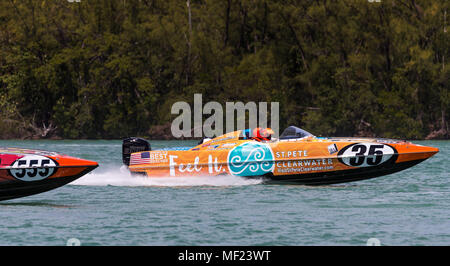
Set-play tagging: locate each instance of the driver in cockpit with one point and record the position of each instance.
(262, 134)
(258, 134)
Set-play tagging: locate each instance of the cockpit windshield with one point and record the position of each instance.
(293, 132)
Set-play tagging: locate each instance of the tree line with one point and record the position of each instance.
(113, 68)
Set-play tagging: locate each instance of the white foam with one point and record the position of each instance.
(122, 177)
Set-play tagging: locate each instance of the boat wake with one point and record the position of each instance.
(114, 176)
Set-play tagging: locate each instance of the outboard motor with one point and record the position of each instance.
(131, 145)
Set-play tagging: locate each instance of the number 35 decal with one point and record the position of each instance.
(33, 168)
(366, 154)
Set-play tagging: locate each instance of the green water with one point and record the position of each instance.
(109, 207)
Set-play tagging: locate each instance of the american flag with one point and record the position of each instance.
(140, 158)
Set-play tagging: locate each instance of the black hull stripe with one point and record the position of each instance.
(17, 189)
(335, 177)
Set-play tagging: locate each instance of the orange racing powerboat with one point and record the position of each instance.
(296, 156)
(26, 172)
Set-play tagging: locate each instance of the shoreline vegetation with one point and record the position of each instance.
(111, 69)
(162, 132)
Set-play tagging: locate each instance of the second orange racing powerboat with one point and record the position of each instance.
(296, 156)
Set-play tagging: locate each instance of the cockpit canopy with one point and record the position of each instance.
(293, 132)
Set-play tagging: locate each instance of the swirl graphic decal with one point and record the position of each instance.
(251, 159)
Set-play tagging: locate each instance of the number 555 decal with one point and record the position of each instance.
(33, 168)
(367, 154)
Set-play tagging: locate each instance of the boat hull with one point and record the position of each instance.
(27, 172)
(336, 177)
(18, 189)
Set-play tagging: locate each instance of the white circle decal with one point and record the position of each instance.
(33, 168)
(366, 154)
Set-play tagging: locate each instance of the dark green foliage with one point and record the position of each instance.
(109, 69)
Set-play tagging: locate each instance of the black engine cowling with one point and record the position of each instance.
(131, 145)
